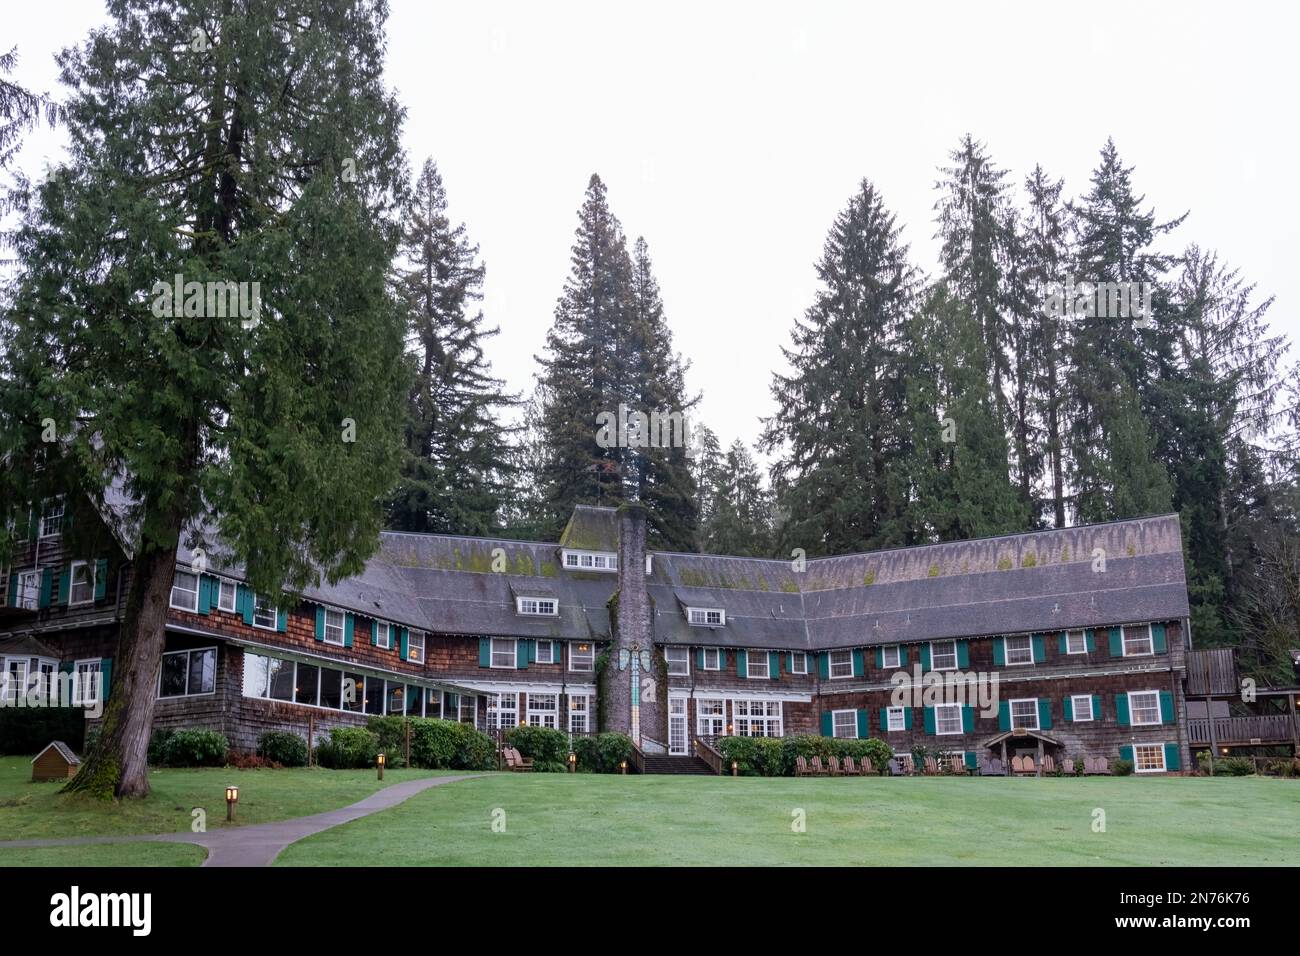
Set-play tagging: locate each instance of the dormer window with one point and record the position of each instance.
(706, 616)
(590, 560)
(537, 607)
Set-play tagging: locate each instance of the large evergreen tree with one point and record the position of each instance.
(739, 507)
(457, 462)
(220, 142)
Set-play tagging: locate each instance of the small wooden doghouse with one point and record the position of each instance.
(55, 762)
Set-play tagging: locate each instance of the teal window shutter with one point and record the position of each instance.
(963, 654)
(925, 658)
(374, 632)
(968, 719)
(1121, 709)
(1067, 709)
(828, 725)
(320, 623)
(1040, 652)
(1044, 713)
(282, 620)
(972, 760)
(1158, 643)
(349, 627)
(823, 665)
(859, 665)
(929, 719)
(1000, 651)
(1096, 707)
(47, 587)
(699, 658)
(250, 606)
(1090, 640)
(101, 578)
(907, 718)
(1126, 753)
(403, 642)
(1173, 760)
(864, 726)
(722, 658)
(205, 594)
(1116, 642)
(1166, 707)
(105, 676)
(1004, 715)
(742, 662)
(485, 652)
(1061, 647)
(523, 655)
(902, 655)
(880, 658)
(64, 577)
(884, 719)
(773, 665)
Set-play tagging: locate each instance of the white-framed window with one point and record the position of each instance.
(537, 607)
(757, 718)
(415, 647)
(185, 591)
(15, 679)
(1081, 708)
(81, 583)
(582, 657)
(943, 655)
(591, 560)
(52, 518)
(1149, 758)
(891, 657)
(504, 653)
(1144, 707)
(799, 663)
(1076, 642)
(226, 596)
(266, 616)
(947, 719)
(579, 713)
(543, 710)
(502, 710)
(86, 686)
(841, 664)
(895, 720)
(334, 627)
(756, 664)
(1138, 644)
(712, 659)
(1019, 649)
(384, 635)
(706, 616)
(710, 716)
(27, 597)
(679, 661)
(1024, 713)
(844, 723)
(188, 673)
(546, 652)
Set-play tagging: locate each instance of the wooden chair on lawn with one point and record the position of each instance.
(801, 768)
(1101, 766)
(516, 762)
(931, 767)
(956, 764)
(817, 768)
(833, 767)
(850, 767)
(1017, 764)
(1049, 765)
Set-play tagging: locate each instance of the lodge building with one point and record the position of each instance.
(1085, 629)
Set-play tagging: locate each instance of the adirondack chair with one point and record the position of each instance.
(931, 766)
(517, 762)
(817, 767)
(1049, 765)
(850, 767)
(956, 764)
(896, 768)
(867, 767)
(1096, 766)
(801, 768)
(1022, 765)
(992, 767)
(1067, 766)
(833, 767)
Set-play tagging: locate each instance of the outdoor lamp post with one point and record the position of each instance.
(573, 761)
(232, 798)
(379, 762)
(622, 766)
(735, 769)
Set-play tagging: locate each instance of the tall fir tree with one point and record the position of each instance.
(223, 146)
(457, 463)
(739, 509)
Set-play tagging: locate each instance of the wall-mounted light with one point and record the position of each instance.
(232, 798)
(379, 762)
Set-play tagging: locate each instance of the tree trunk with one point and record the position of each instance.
(116, 766)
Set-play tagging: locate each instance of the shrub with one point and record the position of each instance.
(348, 748)
(1286, 767)
(474, 749)
(1203, 761)
(603, 752)
(435, 743)
(390, 732)
(773, 757)
(27, 730)
(1078, 766)
(282, 747)
(1234, 767)
(246, 761)
(195, 748)
(158, 744)
(549, 749)
(1122, 768)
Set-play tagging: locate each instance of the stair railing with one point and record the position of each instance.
(706, 752)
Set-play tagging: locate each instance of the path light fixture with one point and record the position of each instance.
(379, 762)
(573, 761)
(622, 766)
(735, 769)
(232, 798)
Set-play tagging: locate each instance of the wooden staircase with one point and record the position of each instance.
(662, 763)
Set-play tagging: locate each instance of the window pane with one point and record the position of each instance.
(354, 693)
(173, 675)
(256, 670)
(331, 688)
(281, 680)
(203, 671)
(308, 678)
(374, 691)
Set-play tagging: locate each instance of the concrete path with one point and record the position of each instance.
(260, 844)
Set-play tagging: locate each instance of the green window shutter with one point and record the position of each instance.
(1000, 652)
(1061, 647)
(349, 628)
(828, 724)
(1004, 715)
(963, 654)
(902, 655)
(65, 577)
(1090, 640)
(722, 659)
(250, 605)
(403, 642)
(968, 719)
(374, 632)
(823, 665)
(1116, 642)
(699, 658)
(928, 713)
(522, 655)
(907, 718)
(859, 665)
(205, 594)
(1096, 707)
(742, 662)
(972, 760)
(1121, 709)
(1173, 760)
(884, 719)
(1040, 652)
(880, 658)
(282, 620)
(13, 590)
(773, 665)
(101, 579)
(864, 726)
(1044, 713)
(1166, 707)
(1067, 709)
(1126, 753)
(47, 587)
(485, 652)
(925, 658)
(1158, 643)
(105, 677)
(320, 623)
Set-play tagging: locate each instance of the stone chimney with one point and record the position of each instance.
(640, 711)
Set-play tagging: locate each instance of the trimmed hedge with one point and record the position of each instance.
(195, 748)
(776, 756)
(435, 743)
(349, 748)
(602, 753)
(25, 731)
(549, 749)
(282, 747)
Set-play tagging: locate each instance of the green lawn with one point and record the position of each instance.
(117, 854)
(35, 810)
(564, 820)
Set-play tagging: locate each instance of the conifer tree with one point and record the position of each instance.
(740, 508)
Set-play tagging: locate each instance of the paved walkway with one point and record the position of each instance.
(260, 844)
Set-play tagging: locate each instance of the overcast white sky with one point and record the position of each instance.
(730, 134)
